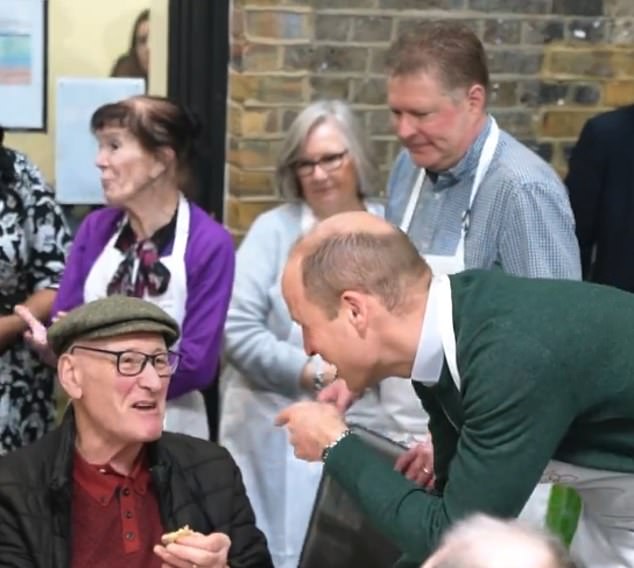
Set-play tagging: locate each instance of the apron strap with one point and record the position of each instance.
(182, 227)
(447, 332)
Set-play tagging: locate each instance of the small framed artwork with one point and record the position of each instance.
(23, 64)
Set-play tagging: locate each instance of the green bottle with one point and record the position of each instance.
(564, 509)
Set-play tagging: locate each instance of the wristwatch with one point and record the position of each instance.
(320, 375)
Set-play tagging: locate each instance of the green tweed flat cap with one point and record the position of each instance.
(107, 317)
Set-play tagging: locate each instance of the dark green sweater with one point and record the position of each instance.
(547, 371)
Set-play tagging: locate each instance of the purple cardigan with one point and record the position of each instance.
(210, 262)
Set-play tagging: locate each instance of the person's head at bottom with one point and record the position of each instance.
(485, 542)
(115, 365)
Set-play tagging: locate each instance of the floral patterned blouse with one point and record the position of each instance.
(34, 240)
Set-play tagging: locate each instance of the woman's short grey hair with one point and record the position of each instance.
(357, 143)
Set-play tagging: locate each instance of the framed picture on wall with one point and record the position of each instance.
(23, 31)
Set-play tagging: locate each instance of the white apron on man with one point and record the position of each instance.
(397, 395)
(605, 535)
(186, 413)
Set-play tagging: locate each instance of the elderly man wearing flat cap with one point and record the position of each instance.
(105, 487)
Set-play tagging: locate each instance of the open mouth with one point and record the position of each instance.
(145, 406)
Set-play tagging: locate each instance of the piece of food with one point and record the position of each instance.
(171, 537)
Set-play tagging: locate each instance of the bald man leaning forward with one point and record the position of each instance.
(522, 379)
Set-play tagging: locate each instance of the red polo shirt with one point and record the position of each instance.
(115, 518)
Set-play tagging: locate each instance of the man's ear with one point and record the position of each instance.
(477, 97)
(69, 376)
(355, 305)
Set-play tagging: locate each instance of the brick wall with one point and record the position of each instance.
(554, 63)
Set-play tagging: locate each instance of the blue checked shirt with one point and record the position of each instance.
(521, 220)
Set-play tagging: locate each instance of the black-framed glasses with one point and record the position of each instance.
(131, 363)
(328, 163)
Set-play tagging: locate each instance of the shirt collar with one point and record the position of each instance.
(101, 482)
(469, 162)
(429, 355)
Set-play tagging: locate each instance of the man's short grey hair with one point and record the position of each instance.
(482, 530)
(357, 143)
(383, 265)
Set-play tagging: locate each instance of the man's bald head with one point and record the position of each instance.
(485, 542)
(356, 251)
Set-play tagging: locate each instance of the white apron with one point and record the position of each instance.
(605, 534)
(185, 414)
(397, 396)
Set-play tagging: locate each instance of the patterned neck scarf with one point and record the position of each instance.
(151, 274)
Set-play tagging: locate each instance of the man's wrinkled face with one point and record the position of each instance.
(120, 406)
(336, 339)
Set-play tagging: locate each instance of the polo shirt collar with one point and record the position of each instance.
(102, 482)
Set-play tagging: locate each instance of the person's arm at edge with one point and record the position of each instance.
(537, 238)
(70, 293)
(46, 255)
(585, 187)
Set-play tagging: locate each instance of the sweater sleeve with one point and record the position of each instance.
(210, 262)
(70, 293)
(269, 362)
(501, 453)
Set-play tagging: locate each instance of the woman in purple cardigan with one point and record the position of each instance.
(151, 242)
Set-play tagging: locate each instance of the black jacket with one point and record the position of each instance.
(196, 482)
(601, 185)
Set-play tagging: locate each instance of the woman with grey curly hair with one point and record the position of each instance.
(325, 167)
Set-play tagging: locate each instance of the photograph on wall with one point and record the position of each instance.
(23, 64)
